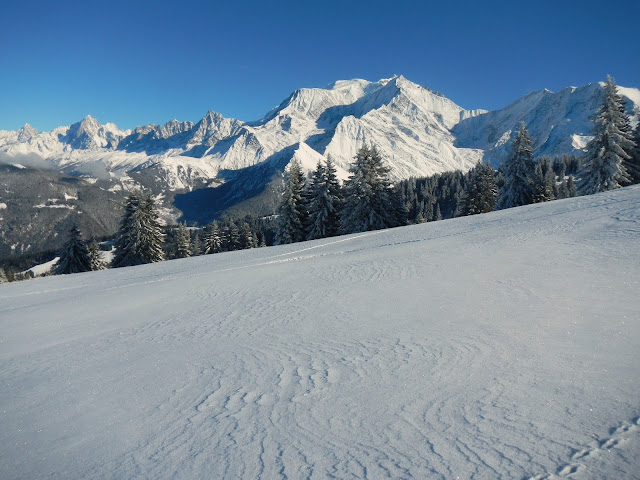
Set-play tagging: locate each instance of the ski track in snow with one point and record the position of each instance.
(457, 349)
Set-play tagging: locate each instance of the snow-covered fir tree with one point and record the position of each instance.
(96, 258)
(152, 234)
(140, 237)
(232, 237)
(603, 167)
(632, 165)
(183, 242)
(437, 214)
(545, 181)
(261, 240)
(126, 240)
(212, 239)
(371, 201)
(247, 237)
(74, 256)
(3, 276)
(325, 202)
(518, 171)
(481, 191)
(196, 244)
(292, 211)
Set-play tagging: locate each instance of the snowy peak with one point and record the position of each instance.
(89, 134)
(558, 122)
(418, 131)
(26, 133)
(174, 127)
(212, 128)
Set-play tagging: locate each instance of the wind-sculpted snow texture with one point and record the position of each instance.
(503, 345)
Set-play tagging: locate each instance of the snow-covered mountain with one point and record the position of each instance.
(503, 345)
(557, 122)
(420, 133)
(218, 165)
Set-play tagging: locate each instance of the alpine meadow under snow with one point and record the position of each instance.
(503, 345)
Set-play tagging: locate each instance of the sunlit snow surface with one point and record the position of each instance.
(505, 345)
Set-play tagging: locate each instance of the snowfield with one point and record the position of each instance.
(504, 345)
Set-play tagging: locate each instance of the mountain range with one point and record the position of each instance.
(199, 170)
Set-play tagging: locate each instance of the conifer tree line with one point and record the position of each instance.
(224, 235)
(142, 239)
(319, 206)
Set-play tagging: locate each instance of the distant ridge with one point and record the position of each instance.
(420, 132)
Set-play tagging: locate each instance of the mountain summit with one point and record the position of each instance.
(198, 171)
(419, 132)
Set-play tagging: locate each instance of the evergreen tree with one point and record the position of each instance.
(517, 171)
(246, 237)
(96, 258)
(261, 240)
(371, 202)
(126, 240)
(325, 203)
(3, 276)
(481, 191)
(292, 211)
(603, 167)
(196, 244)
(212, 239)
(632, 165)
(437, 215)
(572, 188)
(183, 247)
(74, 256)
(233, 237)
(140, 236)
(545, 181)
(152, 234)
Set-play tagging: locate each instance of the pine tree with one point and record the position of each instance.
(324, 220)
(3, 276)
(246, 237)
(140, 236)
(233, 237)
(183, 248)
(126, 240)
(292, 211)
(371, 202)
(437, 215)
(603, 167)
(261, 240)
(196, 244)
(517, 171)
(96, 258)
(545, 181)
(212, 239)
(572, 189)
(152, 235)
(481, 191)
(74, 256)
(632, 165)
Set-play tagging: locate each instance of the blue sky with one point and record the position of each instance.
(137, 62)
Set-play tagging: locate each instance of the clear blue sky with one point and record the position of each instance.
(139, 62)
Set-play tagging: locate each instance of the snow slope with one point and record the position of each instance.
(497, 346)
